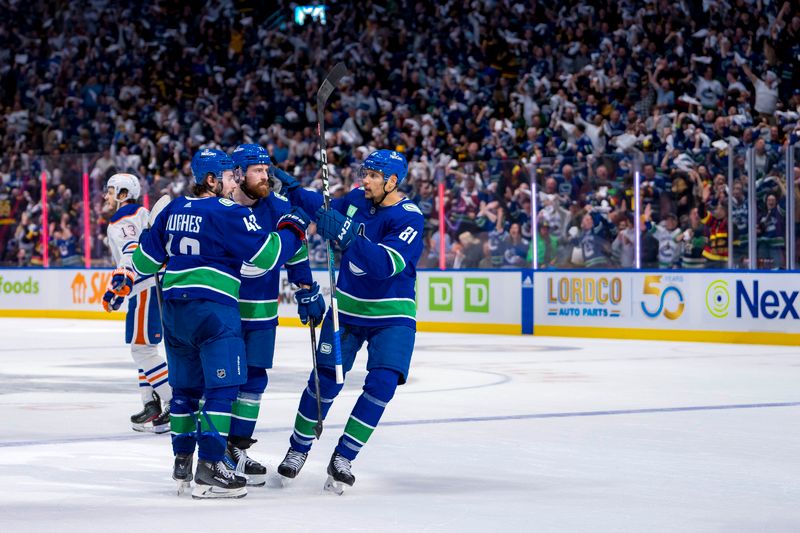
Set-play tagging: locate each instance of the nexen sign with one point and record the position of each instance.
(769, 304)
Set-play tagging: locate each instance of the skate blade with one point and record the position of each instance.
(160, 430)
(336, 487)
(205, 492)
(182, 486)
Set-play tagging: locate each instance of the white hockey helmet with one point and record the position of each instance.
(129, 182)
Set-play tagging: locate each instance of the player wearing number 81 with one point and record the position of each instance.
(204, 240)
(380, 234)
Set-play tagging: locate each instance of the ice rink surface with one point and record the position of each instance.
(492, 433)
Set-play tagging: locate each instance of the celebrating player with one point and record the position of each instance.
(380, 234)
(258, 305)
(205, 239)
(143, 320)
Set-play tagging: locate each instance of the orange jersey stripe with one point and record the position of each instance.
(140, 318)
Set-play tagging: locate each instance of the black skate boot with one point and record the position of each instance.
(236, 459)
(182, 471)
(339, 474)
(161, 422)
(214, 480)
(141, 421)
(292, 463)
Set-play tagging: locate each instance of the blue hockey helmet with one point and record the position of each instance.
(387, 162)
(210, 161)
(250, 154)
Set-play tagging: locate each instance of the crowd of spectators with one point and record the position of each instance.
(486, 99)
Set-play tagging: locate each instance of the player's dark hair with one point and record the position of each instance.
(199, 189)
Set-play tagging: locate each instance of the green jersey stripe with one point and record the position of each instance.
(205, 278)
(381, 308)
(144, 263)
(267, 255)
(258, 309)
(300, 256)
(397, 259)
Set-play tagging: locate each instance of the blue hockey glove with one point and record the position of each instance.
(112, 302)
(121, 282)
(335, 226)
(287, 182)
(295, 221)
(310, 304)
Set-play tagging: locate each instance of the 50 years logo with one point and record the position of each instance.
(670, 297)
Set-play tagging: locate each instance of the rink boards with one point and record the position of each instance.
(722, 306)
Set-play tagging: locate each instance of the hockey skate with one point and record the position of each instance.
(214, 480)
(142, 421)
(292, 463)
(161, 422)
(182, 471)
(339, 474)
(236, 459)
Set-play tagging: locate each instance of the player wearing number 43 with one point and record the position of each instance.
(380, 234)
(143, 320)
(204, 240)
(258, 304)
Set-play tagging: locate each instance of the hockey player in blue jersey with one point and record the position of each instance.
(204, 239)
(380, 234)
(258, 305)
(143, 319)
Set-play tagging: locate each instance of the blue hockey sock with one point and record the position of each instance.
(215, 423)
(182, 419)
(245, 409)
(306, 419)
(379, 388)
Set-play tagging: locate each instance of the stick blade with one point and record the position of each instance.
(157, 208)
(330, 82)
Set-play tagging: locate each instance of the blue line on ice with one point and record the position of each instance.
(572, 414)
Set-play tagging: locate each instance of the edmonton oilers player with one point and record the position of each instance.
(380, 234)
(258, 305)
(204, 240)
(143, 320)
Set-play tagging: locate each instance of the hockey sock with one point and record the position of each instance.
(244, 413)
(183, 420)
(303, 435)
(144, 388)
(215, 423)
(379, 389)
(154, 368)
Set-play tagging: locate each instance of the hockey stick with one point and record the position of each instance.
(328, 85)
(318, 425)
(157, 208)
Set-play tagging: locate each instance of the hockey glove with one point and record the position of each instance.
(112, 302)
(121, 282)
(295, 221)
(310, 304)
(288, 183)
(335, 226)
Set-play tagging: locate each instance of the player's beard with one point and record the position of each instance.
(259, 190)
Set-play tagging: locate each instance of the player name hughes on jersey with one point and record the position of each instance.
(258, 295)
(124, 229)
(204, 241)
(376, 282)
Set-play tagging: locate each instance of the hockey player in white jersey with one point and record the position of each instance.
(143, 320)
